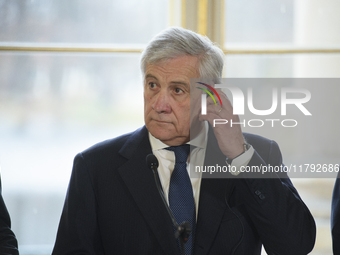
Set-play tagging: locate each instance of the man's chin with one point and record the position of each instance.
(169, 138)
(161, 135)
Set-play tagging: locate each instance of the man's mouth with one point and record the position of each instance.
(162, 121)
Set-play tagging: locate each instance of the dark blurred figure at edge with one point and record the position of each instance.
(335, 217)
(8, 241)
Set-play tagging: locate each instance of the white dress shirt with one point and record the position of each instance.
(166, 160)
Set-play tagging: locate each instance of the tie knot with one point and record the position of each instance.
(181, 152)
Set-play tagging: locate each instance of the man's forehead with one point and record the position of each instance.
(187, 66)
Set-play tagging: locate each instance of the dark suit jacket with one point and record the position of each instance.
(113, 207)
(335, 217)
(8, 241)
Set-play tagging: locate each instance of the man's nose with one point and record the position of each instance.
(162, 102)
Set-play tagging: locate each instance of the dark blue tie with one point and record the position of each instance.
(181, 198)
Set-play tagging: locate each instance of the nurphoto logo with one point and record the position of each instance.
(239, 104)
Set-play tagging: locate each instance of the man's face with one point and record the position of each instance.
(167, 99)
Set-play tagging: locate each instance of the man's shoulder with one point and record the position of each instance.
(113, 145)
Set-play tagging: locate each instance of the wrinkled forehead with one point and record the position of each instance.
(163, 60)
(183, 66)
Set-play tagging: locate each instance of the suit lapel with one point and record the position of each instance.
(212, 203)
(140, 183)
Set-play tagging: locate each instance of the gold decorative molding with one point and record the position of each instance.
(222, 25)
(202, 17)
(171, 12)
(107, 48)
(183, 13)
(279, 51)
(56, 48)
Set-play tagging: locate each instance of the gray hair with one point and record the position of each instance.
(175, 42)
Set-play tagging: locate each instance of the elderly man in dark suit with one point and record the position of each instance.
(113, 206)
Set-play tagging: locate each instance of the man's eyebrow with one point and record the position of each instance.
(150, 76)
(180, 83)
(172, 82)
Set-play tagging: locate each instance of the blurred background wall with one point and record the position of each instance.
(69, 78)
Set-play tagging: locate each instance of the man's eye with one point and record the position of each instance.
(152, 85)
(177, 90)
